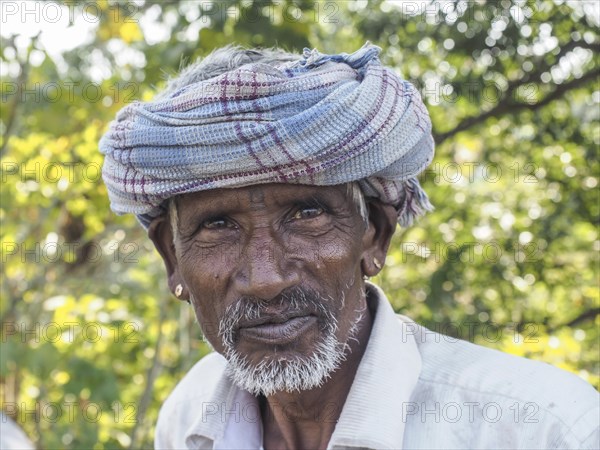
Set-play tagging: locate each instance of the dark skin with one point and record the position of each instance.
(258, 241)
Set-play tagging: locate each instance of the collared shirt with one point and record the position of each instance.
(11, 435)
(414, 388)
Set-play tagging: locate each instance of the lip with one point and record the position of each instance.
(272, 318)
(277, 330)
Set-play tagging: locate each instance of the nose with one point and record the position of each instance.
(263, 270)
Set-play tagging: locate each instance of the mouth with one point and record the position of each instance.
(277, 329)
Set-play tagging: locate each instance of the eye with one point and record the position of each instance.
(307, 213)
(218, 223)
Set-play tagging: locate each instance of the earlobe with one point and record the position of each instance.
(377, 237)
(161, 235)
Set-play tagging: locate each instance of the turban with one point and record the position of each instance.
(319, 120)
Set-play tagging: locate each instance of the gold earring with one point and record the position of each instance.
(178, 290)
(377, 263)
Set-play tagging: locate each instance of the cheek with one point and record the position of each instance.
(337, 256)
(341, 270)
(209, 324)
(203, 273)
(205, 268)
(209, 315)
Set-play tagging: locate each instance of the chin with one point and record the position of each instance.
(286, 370)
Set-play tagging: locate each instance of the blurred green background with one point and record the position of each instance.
(92, 342)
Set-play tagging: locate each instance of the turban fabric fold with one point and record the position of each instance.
(321, 120)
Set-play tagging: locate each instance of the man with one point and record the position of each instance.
(271, 185)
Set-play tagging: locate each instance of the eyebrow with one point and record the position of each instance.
(231, 205)
(312, 197)
(214, 208)
(210, 207)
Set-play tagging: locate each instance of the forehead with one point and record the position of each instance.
(269, 195)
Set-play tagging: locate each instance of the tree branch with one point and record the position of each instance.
(543, 67)
(508, 105)
(512, 107)
(586, 315)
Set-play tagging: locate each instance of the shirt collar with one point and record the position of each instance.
(230, 419)
(385, 379)
(386, 376)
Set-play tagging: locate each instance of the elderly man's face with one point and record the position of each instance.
(274, 273)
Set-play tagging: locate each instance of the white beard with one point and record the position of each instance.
(295, 374)
(289, 375)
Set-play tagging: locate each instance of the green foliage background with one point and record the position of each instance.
(92, 342)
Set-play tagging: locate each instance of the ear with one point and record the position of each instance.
(377, 237)
(161, 235)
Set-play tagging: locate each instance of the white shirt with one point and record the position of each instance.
(413, 389)
(11, 436)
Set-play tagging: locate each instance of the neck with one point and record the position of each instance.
(307, 419)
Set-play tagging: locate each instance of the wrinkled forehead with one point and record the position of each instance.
(260, 195)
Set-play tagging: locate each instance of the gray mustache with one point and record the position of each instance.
(293, 301)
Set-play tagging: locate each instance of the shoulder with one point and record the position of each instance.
(470, 366)
(11, 435)
(198, 383)
(533, 396)
(195, 388)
